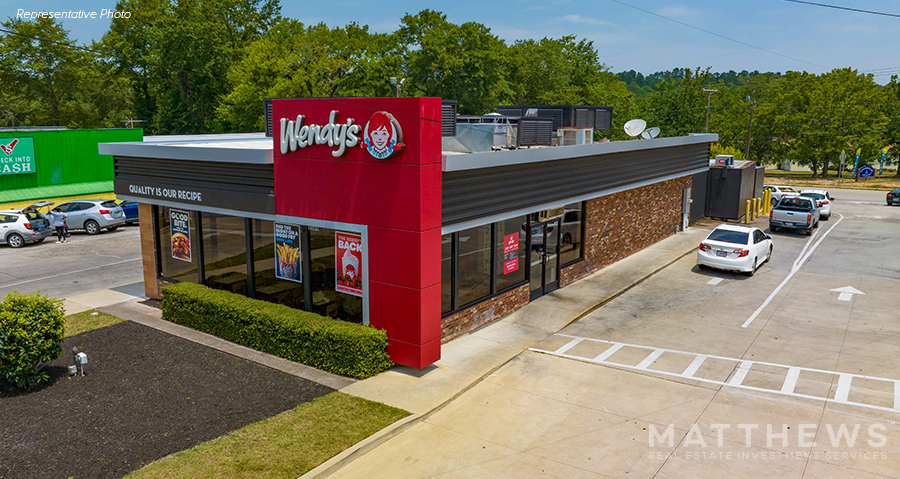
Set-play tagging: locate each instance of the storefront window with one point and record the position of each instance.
(570, 234)
(224, 252)
(268, 287)
(184, 267)
(446, 273)
(509, 252)
(474, 263)
(326, 300)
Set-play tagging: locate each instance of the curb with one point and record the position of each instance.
(359, 449)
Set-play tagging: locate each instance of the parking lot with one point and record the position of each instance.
(701, 373)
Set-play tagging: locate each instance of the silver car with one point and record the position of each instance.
(93, 215)
(18, 227)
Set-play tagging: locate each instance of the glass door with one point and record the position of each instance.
(544, 257)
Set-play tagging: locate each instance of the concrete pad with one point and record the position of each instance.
(739, 406)
(816, 469)
(616, 451)
(731, 461)
(629, 356)
(872, 391)
(104, 297)
(475, 354)
(506, 416)
(589, 349)
(716, 369)
(793, 352)
(423, 450)
(415, 391)
(72, 307)
(552, 343)
(507, 333)
(868, 366)
(674, 363)
(875, 450)
(521, 465)
(814, 383)
(765, 377)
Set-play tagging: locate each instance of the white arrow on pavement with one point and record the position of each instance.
(847, 293)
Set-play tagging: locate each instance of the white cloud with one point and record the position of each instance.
(677, 11)
(584, 20)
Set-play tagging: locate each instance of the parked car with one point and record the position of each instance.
(795, 212)
(893, 197)
(780, 191)
(130, 208)
(93, 215)
(824, 201)
(735, 248)
(19, 226)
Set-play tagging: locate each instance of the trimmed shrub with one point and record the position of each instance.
(335, 346)
(31, 330)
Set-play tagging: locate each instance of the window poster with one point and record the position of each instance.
(511, 253)
(287, 252)
(180, 223)
(348, 252)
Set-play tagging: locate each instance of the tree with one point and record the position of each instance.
(456, 62)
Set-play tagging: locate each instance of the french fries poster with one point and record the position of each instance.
(348, 274)
(180, 222)
(287, 252)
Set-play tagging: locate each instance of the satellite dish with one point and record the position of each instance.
(650, 133)
(635, 127)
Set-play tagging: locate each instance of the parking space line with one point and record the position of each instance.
(790, 382)
(649, 359)
(741, 373)
(565, 347)
(897, 395)
(714, 281)
(609, 352)
(843, 387)
(695, 365)
(842, 395)
(802, 258)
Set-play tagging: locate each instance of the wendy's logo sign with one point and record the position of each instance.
(382, 136)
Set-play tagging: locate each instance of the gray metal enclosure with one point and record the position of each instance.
(728, 190)
(699, 196)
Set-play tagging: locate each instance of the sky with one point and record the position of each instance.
(774, 35)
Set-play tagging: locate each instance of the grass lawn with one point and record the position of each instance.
(804, 178)
(284, 446)
(86, 321)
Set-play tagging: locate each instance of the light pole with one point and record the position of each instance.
(749, 129)
(709, 92)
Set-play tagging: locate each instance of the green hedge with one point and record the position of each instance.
(339, 347)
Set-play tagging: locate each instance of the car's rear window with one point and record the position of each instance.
(796, 203)
(109, 204)
(813, 195)
(736, 237)
(788, 189)
(32, 215)
(896, 190)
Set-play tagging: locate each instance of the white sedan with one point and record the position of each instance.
(735, 248)
(779, 191)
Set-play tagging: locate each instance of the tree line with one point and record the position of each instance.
(204, 66)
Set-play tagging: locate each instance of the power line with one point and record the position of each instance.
(717, 35)
(845, 8)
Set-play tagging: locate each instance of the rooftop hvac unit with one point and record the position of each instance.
(268, 107)
(575, 135)
(448, 117)
(597, 117)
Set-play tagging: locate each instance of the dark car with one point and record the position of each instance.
(893, 198)
(131, 211)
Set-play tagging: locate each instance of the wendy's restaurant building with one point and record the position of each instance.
(350, 209)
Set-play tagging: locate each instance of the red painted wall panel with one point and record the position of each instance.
(416, 262)
(406, 313)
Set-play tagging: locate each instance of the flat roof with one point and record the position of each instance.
(230, 148)
(490, 159)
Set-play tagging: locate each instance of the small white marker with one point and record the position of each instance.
(847, 293)
(714, 281)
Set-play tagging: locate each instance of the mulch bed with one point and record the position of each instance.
(145, 394)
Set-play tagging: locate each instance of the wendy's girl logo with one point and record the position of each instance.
(382, 136)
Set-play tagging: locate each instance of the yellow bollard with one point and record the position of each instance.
(767, 202)
(749, 212)
(756, 208)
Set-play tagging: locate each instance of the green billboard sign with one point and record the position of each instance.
(17, 156)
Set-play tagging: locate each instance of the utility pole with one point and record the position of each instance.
(709, 92)
(749, 129)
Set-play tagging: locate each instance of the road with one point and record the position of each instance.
(699, 373)
(83, 266)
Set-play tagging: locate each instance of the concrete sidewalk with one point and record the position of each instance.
(468, 360)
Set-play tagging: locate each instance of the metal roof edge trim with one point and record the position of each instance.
(173, 151)
(472, 161)
(453, 228)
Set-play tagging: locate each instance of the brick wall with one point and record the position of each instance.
(617, 226)
(622, 224)
(482, 313)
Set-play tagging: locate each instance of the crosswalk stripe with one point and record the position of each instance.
(790, 382)
(649, 359)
